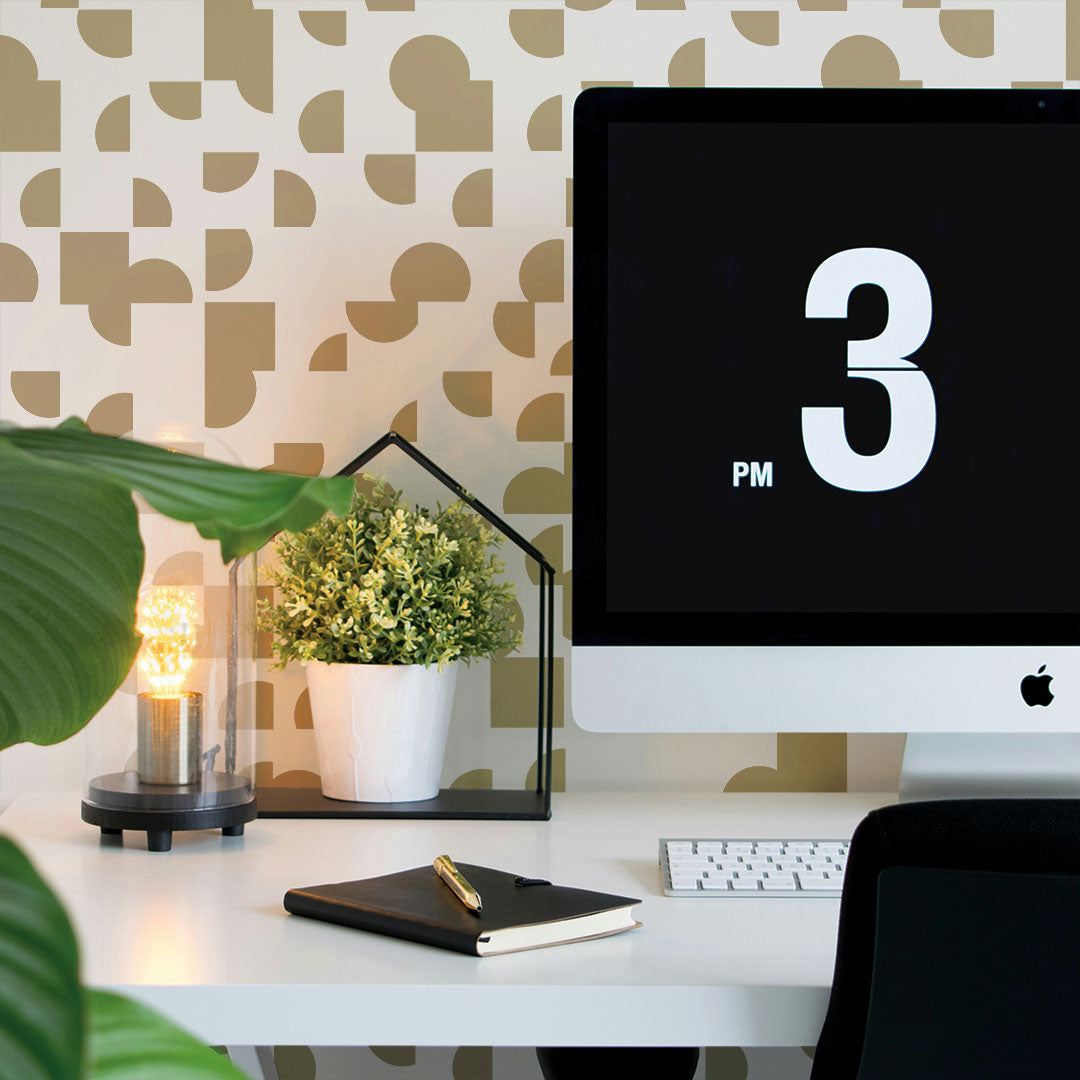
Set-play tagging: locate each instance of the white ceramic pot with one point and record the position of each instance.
(380, 729)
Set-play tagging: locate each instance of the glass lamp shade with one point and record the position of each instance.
(174, 748)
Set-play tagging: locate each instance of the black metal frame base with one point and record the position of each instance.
(159, 825)
(449, 804)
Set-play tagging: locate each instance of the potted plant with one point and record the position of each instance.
(381, 605)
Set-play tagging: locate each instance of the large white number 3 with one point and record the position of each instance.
(911, 397)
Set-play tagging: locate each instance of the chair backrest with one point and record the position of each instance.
(958, 951)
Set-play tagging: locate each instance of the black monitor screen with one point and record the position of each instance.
(827, 364)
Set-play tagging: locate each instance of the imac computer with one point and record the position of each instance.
(827, 422)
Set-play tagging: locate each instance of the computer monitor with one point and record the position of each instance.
(827, 414)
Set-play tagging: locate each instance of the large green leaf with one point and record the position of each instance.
(41, 1005)
(127, 1041)
(71, 557)
(242, 508)
(70, 562)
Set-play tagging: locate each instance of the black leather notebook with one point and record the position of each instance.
(417, 905)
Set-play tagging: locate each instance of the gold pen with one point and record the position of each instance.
(445, 868)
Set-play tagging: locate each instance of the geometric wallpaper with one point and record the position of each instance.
(293, 224)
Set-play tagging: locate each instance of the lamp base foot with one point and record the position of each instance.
(158, 839)
(160, 824)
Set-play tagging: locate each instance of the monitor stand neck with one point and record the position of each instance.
(969, 765)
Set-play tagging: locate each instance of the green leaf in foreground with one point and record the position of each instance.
(41, 1007)
(128, 1041)
(70, 562)
(241, 508)
(71, 557)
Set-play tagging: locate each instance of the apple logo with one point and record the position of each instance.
(1035, 689)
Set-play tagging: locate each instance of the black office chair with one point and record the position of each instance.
(958, 953)
(590, 1062)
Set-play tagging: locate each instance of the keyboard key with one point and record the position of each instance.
(820, 884)
(715, 884)
(682, 884)
(779, 885)
(744, 885)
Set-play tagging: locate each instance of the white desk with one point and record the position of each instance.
(200, 933)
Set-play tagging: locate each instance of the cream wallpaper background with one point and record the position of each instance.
(297, 223)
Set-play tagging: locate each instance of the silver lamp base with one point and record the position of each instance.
(169, 738)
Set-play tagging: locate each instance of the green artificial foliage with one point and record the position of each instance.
(386, 584)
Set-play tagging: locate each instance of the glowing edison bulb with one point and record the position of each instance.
(167, 622)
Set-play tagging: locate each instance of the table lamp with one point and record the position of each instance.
(174, 748)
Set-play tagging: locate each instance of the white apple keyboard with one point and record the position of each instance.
(753, 867)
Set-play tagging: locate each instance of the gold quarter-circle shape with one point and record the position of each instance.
(108, 33)
(472, 202)
(514, 323)
(322, 123)
(586, 5)
(541, 490)
(541, 273)
(294, 201)
(383, 320)
(803, 763)
(113, 415)
(538, 32)
(331, 355)
(970, 33)
(403, 1056)
(228, 257)
(543, 420)
(406, 421)
(430, 272)
(549, 542)
(468, 391)
(150, 206)
(113, 130)
(558, 772)
(18, 274)
(38, 392)
(329, 27)
(302, 718)
(158, 281)
(687, 66)
(758, 27)
(474, 780)
(228, 171)
(563, 361)
(860, 61)
(392, 177)
(40, 201)
(180, 100)
(472, 1063)
(295, 1062)
(545, 125)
